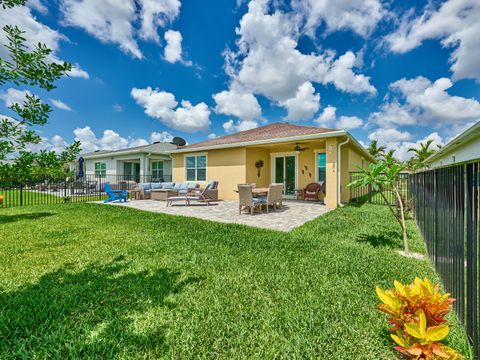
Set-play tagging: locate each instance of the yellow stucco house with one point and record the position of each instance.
(291, 154)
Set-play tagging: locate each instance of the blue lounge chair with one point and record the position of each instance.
(114, 195)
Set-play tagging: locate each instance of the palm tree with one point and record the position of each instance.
(389, 157)
(422, 154)
(375, 150)
(380, 176)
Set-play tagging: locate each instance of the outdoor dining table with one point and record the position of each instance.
(260, 191)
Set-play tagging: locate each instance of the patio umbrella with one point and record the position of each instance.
(80, 167)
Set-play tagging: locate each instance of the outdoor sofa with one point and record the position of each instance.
(206, 195)
(162, 191)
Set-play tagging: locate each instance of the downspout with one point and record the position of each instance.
(339, 170)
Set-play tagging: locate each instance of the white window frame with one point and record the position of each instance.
(284, 154)
(157, 170)
(104, 171)
(196, 155)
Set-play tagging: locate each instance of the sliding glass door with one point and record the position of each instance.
(285, 173)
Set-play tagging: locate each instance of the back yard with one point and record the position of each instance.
(90, 281)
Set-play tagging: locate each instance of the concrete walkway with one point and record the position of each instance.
(293, 214)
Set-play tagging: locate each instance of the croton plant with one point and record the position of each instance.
(418, 319)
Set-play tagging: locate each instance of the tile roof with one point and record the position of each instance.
(271, 131)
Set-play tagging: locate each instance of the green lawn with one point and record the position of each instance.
(12, 198)
(98, 282)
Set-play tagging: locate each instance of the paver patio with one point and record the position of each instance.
(291, 215)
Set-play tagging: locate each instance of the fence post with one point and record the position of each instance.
(21, 194)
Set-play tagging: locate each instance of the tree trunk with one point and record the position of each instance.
(402, 218)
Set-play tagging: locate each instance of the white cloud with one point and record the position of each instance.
(349, 122)
(155, 14)
(163, 136)
(359, 16)
(392, 114)
(14, 96)
(268, 62)
(37, 5)
(401, 142)
(456, 24)
(304, 104)
(343, 77)
(173, 49)
(110, 140)
(212, 136)
(233, 103)
(432, 102)
(60, 105)
(385, 137)
(56, 144)
(230, 126)
(163, 106)
(117, 108)
(328, 118)
(35, 32)
(113, 21)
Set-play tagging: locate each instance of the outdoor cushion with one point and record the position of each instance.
(145, 186)
(183, 186)
(177, 186)
(157, 186)
(168, 185)
(191, 186)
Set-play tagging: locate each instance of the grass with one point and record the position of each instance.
(12, 198)
(90, 281)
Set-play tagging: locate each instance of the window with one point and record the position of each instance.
(157, 170)
(196, 167)
(100, 169)
(321, 166)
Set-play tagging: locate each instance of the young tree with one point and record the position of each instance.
(375, 150)
(378, 176)
(33, 68)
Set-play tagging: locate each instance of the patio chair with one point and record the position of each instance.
(114, 195)
(274, 196)
(311, 191)
(247, 201)
(202, 196)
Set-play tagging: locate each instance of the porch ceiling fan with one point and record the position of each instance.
(299, 148)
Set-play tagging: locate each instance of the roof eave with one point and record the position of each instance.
(121, 153)
(456, 142)
(262, 142)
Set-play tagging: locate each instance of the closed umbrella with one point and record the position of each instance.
(80, 167)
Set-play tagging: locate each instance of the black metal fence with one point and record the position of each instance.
(447, 210)
(366, 194)
(54, 190)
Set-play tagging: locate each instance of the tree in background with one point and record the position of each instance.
(380, 176)
(33, 68)
(389, 157)
(418, 160)
(375, 150)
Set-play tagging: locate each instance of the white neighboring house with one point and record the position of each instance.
(462, 148)
(141, 163)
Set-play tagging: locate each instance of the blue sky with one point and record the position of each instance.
(397, 71)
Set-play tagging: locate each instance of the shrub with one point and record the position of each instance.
(417, 317)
